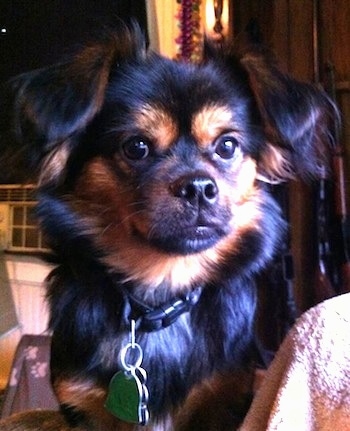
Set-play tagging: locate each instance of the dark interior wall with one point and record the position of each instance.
(288, 27)
(39, 32)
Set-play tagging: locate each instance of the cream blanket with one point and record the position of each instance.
(307, 387)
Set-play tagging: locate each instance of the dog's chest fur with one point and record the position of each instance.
(200, 342)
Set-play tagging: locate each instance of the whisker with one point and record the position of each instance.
(131, 215)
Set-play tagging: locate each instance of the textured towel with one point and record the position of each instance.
(307, 387)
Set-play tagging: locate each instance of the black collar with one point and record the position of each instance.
(150, 319)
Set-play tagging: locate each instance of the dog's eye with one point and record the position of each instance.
(136, 149)
(225, 146)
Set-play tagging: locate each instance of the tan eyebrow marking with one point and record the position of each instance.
(210, 122)
(157, 124)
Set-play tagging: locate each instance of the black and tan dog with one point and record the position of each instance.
(153, 200)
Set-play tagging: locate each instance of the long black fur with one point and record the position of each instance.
(82, 105)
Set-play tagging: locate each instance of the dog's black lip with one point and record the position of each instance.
(199, 238)
(186, 240)
(198, 231)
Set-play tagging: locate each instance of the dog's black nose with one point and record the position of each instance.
(195, 189)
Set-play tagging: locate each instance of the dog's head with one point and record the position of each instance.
(159, 165)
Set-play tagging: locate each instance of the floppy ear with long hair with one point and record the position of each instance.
(299, 119)
(41, 111)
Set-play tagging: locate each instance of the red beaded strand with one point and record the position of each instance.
(189, 40)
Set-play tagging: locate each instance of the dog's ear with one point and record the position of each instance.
(42, 109)
(300, 121)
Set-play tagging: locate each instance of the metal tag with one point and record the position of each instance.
(128, 396)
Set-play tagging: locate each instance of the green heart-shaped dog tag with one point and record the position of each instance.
(124, 397)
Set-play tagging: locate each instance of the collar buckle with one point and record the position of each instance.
(149, 320)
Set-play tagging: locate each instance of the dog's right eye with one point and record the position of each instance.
(136, 148)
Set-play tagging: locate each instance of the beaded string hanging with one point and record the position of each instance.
(189, 41)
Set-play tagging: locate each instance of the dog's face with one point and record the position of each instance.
(181, 155)
(158, 163)
(170, 186)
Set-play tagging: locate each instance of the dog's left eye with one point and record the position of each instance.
(136, 148)
(225, 146)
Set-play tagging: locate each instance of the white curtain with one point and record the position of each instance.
(8, 318)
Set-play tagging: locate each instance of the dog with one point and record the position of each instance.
(153, 197)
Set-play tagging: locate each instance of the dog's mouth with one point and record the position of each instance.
(199, 238)
(186, 239)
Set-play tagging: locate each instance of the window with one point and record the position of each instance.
(24, 232)
(19, 230)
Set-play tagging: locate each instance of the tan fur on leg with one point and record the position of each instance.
(47, 420)
(218, 404)
(36, 420)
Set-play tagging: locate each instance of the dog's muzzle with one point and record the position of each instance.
(195, 221)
